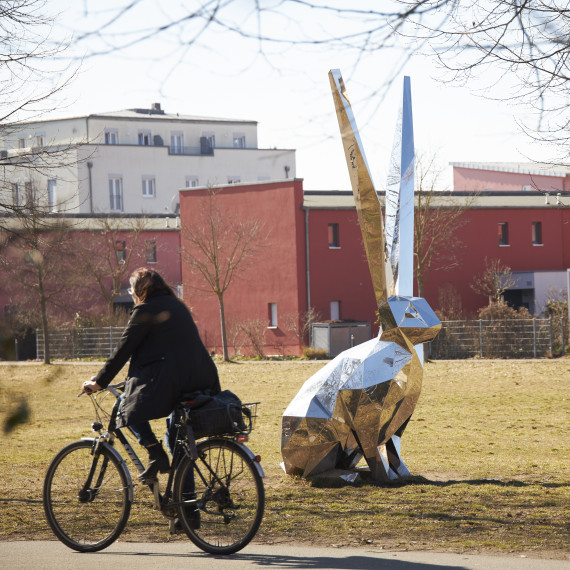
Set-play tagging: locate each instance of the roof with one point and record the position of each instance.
(148, 114)
(343, 199)
(535, 168)
(153, 114)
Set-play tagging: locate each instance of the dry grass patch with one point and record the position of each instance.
(488, 445)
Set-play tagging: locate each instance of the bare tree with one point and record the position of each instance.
(300, 324)
(30, 84)
(38, 270)
(217, 247)
(521, 45)
(495, 279)
(437, 218)
(254, 330)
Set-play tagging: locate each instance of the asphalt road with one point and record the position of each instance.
(156, 556)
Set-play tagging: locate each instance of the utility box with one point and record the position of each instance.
(334, 337)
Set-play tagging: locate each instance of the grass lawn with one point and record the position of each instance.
(488, 446)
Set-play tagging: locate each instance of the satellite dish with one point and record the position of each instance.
(175, 204)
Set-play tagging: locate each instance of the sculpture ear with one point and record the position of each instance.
(400, 200)
(365, 198)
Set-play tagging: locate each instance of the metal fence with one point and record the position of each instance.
(516, 338)
(79, 343)
(513, 338)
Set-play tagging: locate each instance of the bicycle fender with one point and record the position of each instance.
(121, 461)
(252, 456)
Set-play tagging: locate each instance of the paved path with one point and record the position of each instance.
(156, 556)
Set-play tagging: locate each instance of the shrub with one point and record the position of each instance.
(311, 353)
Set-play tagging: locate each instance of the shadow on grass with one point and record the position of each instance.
(327, 483)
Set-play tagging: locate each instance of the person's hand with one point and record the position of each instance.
(90, 386)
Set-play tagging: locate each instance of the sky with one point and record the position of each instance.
(287, 91)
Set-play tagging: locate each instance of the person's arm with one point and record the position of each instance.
(136, 330)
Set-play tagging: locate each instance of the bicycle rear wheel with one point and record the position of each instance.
(87, 500)
(229, 493)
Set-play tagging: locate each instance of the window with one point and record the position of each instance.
(150, 248)
(234, 179)
(51, 187)
(192, 182)
(144, 138)
(503, 229)
(30, 192)
(272, 315)
(116, 194)
(148, 187)
(210, 139)
(239, 140)
(536, 233)
(21, 143)
(29, 255)
(111, 136)
(40, 140)
(335, 310)
(333, 236)
(176, 143)
(120, 251)
(16, 197)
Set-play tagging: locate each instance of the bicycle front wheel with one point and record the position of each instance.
(87, 500)
(229, 495)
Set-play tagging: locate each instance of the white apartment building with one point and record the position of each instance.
(132, 161)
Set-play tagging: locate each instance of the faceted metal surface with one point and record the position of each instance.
(359, 404)
(365, 197)
(400, 199)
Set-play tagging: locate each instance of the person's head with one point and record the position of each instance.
(145, 283)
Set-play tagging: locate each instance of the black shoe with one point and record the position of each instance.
(193, 520)
(157, 461)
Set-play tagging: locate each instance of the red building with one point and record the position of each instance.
(314, 256)
(111, 242)
(510, 176)
(268, 292)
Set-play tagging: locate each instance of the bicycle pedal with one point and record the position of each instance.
(175, 527)
(147, 481)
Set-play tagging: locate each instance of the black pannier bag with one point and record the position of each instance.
(216, 414)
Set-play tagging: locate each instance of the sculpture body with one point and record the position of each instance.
(359, 404)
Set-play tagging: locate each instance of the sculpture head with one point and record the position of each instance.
(411, 317)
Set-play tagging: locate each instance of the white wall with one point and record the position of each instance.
(546, 283)
(131, 162)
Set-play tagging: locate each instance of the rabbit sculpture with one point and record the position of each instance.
(359, 404)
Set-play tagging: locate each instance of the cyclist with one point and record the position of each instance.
(167, 359)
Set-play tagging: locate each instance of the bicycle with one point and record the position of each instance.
(88, 488)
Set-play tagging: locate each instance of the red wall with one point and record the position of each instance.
(480, 240)
(343, 274)
(471, 179)
(86, 299)
(340, 274)
(275, 275)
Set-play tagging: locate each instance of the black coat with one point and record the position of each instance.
(167, 356)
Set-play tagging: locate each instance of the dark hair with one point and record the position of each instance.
(147, 282)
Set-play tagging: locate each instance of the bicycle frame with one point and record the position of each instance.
(214, 491)
(184, 445)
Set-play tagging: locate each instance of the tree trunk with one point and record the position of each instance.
(47, 359)
(420, 282)
(223, 327)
